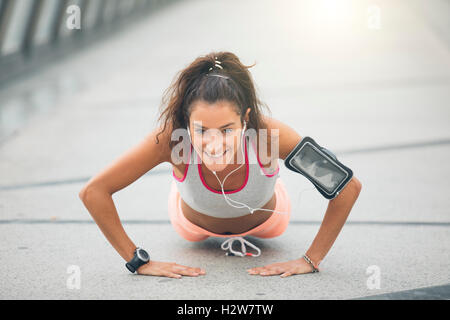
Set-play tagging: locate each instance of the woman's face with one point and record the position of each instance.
(216, 132)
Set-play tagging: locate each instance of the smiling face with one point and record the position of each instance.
(216, 132)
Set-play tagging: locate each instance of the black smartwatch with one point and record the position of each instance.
(140, 258)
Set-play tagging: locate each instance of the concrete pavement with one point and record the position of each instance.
(378, 98)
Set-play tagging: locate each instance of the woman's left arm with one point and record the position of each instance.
(335, 215)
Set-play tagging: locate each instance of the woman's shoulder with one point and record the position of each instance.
(265, 143)
(280, 137)
(176, 149)
(174, 145)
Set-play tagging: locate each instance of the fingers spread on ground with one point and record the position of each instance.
(254, 272)
(270, 272)
(199, 270)
(171, 274)
(286, 274)
(193, 269)
(186, 271)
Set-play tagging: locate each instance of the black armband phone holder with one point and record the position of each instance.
(320, 166)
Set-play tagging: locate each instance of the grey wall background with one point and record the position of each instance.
(377, 97)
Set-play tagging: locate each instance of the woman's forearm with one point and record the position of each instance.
(335, 217)
(102, 209)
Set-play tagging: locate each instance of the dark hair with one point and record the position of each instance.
(194, 83)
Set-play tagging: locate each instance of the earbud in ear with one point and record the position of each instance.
(243, 129)
(189, 133)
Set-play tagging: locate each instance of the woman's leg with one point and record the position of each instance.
(179, 222)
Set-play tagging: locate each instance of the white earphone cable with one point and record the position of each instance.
(243, 205)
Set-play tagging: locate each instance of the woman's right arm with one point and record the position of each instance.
(97, 197)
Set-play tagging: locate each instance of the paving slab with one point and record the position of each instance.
(43, 254)
(378, 99)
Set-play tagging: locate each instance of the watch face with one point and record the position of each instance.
(142, 254)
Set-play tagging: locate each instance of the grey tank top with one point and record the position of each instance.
(257, 190)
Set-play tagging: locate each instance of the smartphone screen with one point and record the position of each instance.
(324, 172)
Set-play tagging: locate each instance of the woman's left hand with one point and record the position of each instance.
(298, 266)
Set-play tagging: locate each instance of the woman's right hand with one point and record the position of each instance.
(168, 269)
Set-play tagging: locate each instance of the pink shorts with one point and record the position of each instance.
(272, 227)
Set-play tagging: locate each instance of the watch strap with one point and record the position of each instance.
(135, 263)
